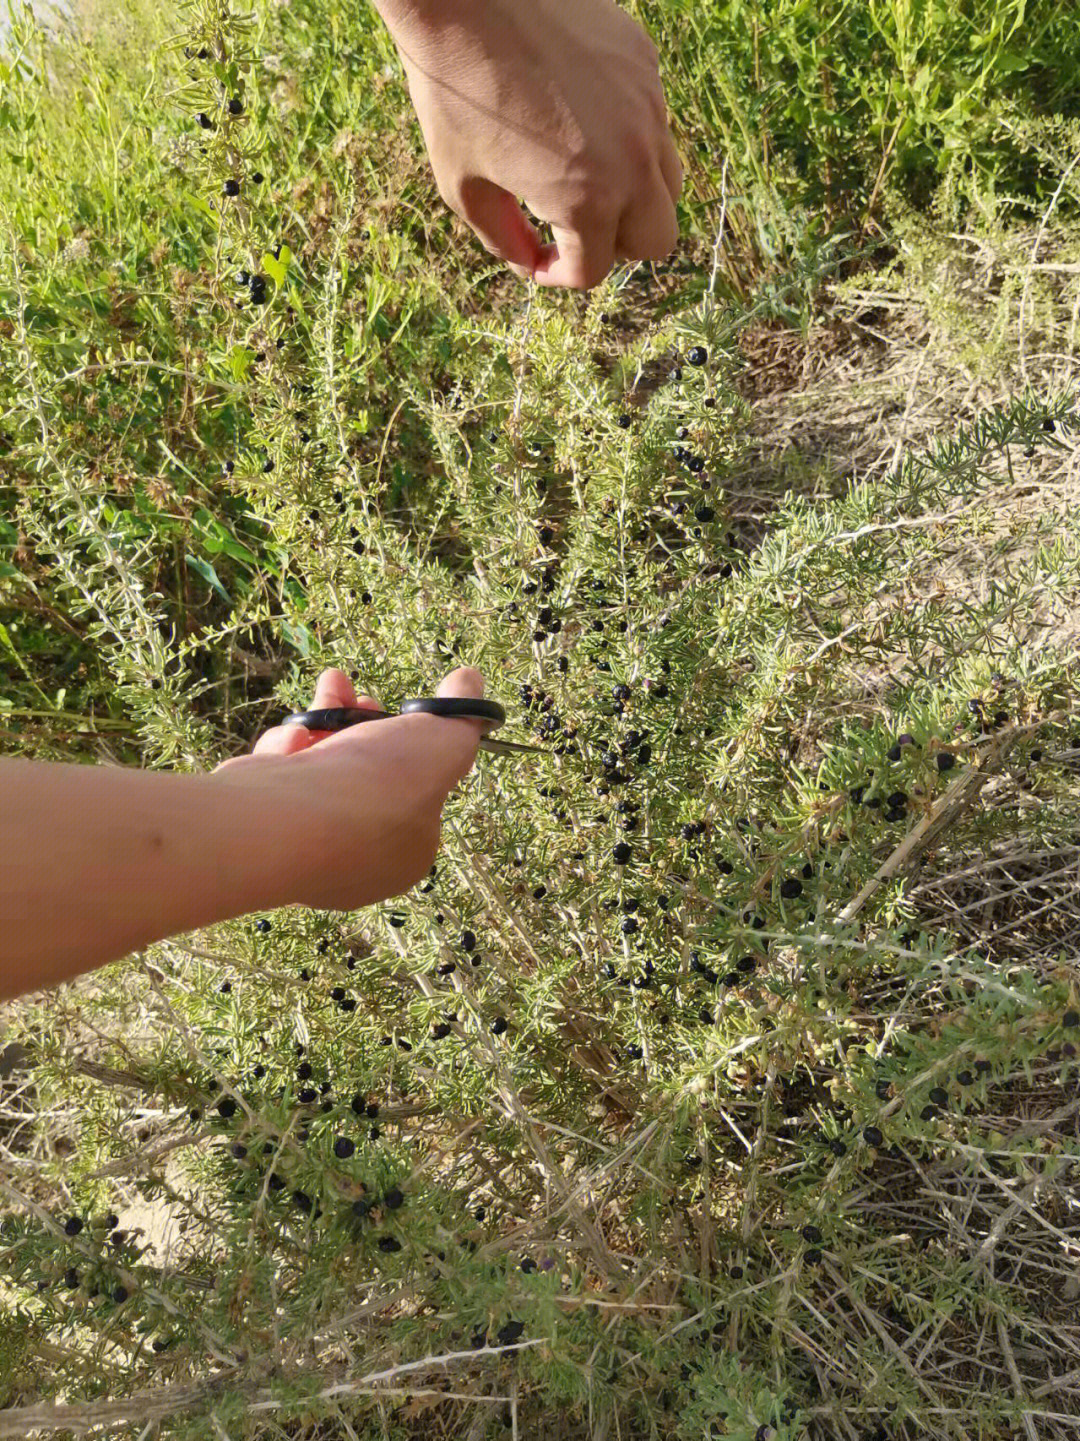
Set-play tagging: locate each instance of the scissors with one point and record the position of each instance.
(489, 710)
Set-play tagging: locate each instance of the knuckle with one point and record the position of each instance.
(639, 153)
(594, 272)
(588, 272)
(451, 195)
(667, 238)
(579, 206)
(494, 248)
(425, 846)
(662, 243)
(594, 194)
(639, 39)
(420, 859)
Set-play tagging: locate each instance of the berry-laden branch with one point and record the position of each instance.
(948, 808)
(310, 1387)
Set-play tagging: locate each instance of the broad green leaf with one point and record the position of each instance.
(238, 552)
(200, 204)
(240, 358)
(298, 636)
(1008, 61)
(276, 269)
(209, 574)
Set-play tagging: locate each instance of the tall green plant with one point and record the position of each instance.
(668, 1104)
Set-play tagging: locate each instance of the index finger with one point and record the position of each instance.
(333, 691)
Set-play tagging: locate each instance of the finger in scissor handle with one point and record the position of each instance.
(333, 691)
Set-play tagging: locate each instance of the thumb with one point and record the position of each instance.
(332, 690)
(502, 226)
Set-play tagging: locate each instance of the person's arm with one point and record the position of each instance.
(96, 862)
(555, 102)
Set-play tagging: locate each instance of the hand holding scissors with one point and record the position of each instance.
(367, 800)
(449, 706)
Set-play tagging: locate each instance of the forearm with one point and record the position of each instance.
(98, 861)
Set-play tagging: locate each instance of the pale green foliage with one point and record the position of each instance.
(656, 1126)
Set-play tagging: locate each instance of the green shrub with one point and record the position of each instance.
(671, 1106)
(754, 1152)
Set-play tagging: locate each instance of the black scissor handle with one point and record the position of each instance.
(472, 707)
(332, 720)
(454, 706)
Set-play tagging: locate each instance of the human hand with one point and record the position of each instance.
(558, 102)
(360, 809)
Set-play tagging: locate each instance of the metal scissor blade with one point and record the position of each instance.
(508, 748)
